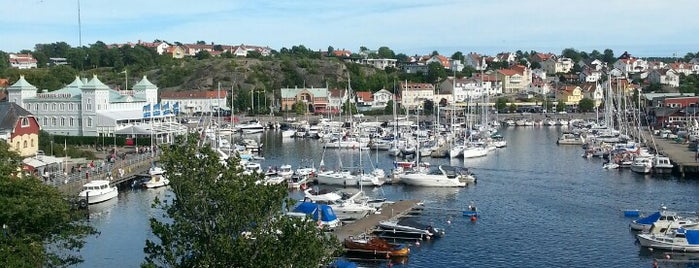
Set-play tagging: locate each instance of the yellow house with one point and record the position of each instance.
(19, 129)
(570, 94)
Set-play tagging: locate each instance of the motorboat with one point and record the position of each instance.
(662, 164)
(288, 133)
(661, 218)
(570, 139)
(375, 246)
(443, 176)
(346, 177)
(408, 228)
(156, 181)
(250, 125)
(642, 164)
(298, 181)
(97, 191)
(285, 171)
(474, 151)
(346, 207)
(252, 130)
(681, 239)
(272, 180)
(155, 170)
(252, 168)
(321, 213)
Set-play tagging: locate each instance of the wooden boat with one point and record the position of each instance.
(375, 246)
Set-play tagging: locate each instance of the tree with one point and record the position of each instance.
(202, 55)
(595, 55)
(458, 56)
(608, 56)
(513, 107)
(389, 107)
(39, 226)
(572, 54)
(586, 105)
(434, 53)
(330, 50)
(225, 218)
(349, 107)
(435, 72)
(300, 108)
(428, 107)
(561, 106)
(386, 53)
(501, 104)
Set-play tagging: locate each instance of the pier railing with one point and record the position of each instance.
(120, 171)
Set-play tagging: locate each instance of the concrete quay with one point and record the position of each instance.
(685, 161)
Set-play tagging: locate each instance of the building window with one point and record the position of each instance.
(17, 146)
(32, 143)
(62, 107)
(89, 122)
(70, 107)
(63, 121)
(46, 106)
(25, 122)
(53, 107)
(25, 145)
(53, 121)
(89, 106)
(71, 121)
(46, 121)
(36, 106)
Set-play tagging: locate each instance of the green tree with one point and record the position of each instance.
(608, 56)
(428, 107)
(596, 55)
(501, 104)
(561, 106)
(349, 107)
(586, 105)
(458, 56)
(513, 107)
(572, 54)
(435, 72)
(389, 107)
(202, 55)
(300, 108)
(225, 218)
(386, 53)
(39, 226)
(330, 50)
(434, 53)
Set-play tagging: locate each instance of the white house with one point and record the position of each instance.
(337, 98)
(191, 101)
(593, 91)
(380, 63)
(414, 94)
(22, 61)
(476, 61)
(89, 107)
(665, 77)
(382, 97)
(539, 86)
(555, 65)
(590, 75)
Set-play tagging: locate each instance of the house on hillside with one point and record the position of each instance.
(664, 77)
(476, 61)
(414, 94)
(22, 61)
(593, 91)
(337, 98)
(381, 98)
(554, 65)
(19, 128)
(315, 99)
(514, 79)
(570, 94)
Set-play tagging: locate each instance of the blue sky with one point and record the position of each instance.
(643, 27)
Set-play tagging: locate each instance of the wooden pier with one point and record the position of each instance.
(137, 165)
(684, 160)
(367, 223)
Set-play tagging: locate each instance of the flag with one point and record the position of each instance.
(166, 109)
(146, 111)
(156, 109)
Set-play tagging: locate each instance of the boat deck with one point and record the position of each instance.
(366, 224)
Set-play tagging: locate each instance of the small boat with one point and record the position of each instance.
(443, 176)
(661, 217)
(375, 246)
(642, 164)
(324, 214)
(662, 164)
(285, 171)
(289, 133)
(156, 181)
(408, 228)
(97, 191)
(570, 139)
(681, 239)
(298, 181)
(471, 211)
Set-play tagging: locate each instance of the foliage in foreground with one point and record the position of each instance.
(39, 226)
(220, 217)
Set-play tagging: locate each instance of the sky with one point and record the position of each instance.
(414, 27)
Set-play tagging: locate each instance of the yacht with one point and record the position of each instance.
(642, 164)
(346, 207)
(443, 176)
(681, 239)
(570, 139)
(97, 191)
(250, 126)
(285, 171)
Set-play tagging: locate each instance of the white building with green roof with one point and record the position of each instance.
(86, 107)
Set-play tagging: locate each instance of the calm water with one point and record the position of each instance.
(542, 205)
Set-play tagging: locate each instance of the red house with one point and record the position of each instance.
(19, 129)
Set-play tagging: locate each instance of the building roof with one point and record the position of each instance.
(316, 92)
(365, 96)
(194, 94)
(337, 93)
(21, 84)
(416, 86)
(9, 114)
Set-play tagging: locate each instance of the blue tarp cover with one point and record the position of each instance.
(692, 236)
(650, 219)
(309, 208)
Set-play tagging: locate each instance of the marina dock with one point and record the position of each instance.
(682, 158)
(365, 224)
(132, 167)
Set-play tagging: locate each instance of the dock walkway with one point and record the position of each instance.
(365, 224)
(685, 161)
(71, 184)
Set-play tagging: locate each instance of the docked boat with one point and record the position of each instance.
(346, 207)
(570, 139)
(375, 246)
(443, 176)
(683, 240)
(97, 191)
(642, 164)
(298, 181)
(347, 177)
(474, 151)
(285, 171)
(318, 212)
(408, 228)
(662, 164)
(157, 178)
(251, 125)
(663, 218)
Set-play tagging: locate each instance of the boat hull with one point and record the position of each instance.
(94, 198)
(417, 179)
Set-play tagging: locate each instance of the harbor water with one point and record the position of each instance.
(540, 205)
